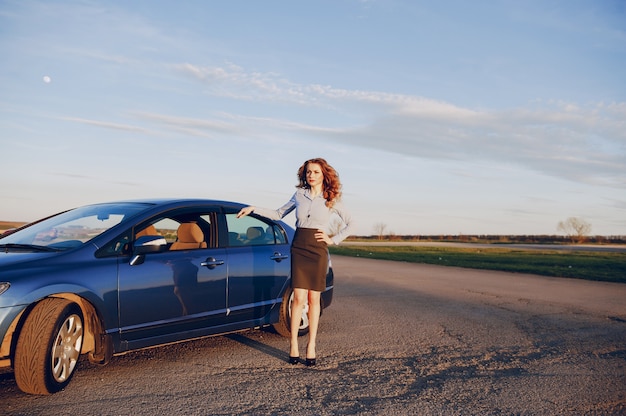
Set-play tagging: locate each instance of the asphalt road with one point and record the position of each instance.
(399, 339)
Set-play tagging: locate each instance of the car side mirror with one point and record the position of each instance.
(147, 244)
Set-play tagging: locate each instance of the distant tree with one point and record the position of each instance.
(576, 228)
(379, 229)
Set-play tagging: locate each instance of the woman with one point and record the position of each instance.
(315, 200)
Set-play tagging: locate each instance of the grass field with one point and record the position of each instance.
(609, 267)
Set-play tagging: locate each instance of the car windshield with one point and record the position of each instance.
(71, 228)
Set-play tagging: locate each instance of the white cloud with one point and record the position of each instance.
(191, 126)
(577, 147)
(109, 125)
(579, 142)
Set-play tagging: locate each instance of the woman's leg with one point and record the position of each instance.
(297, 305)
(314, 320)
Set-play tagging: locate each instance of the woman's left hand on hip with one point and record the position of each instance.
(322, 236)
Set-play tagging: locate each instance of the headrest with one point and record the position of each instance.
(254, 232)
(149, 230)
(190, 232)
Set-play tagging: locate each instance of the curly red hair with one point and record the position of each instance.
(332, 185)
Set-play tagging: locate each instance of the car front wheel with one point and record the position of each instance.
(49, 346)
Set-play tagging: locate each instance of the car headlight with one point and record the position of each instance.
(4, 286)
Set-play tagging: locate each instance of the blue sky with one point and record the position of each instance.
(441, 117)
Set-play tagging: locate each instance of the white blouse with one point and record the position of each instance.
(312, 213)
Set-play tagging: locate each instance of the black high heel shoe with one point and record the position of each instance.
(294, 360)
(310, 362)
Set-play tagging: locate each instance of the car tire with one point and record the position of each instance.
(283, 326)
(48, 347)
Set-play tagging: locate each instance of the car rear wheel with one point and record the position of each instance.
(283, 324)
(49, 346)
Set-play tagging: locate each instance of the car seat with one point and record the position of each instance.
(149, 230)
(255, 235)
(189, 236)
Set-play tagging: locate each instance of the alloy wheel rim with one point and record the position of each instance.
(66, 348)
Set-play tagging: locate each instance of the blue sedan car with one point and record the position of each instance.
(108, 278)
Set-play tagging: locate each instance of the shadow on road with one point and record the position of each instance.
(259, 346)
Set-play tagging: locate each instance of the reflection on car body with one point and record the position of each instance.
(108, 278)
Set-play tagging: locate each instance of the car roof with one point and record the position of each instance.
(171, 201)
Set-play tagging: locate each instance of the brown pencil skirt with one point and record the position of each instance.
(309, 261)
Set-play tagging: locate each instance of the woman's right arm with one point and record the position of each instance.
(272, 214)
(245, 211)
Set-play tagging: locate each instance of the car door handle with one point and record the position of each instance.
(211, 263)
(277, 257)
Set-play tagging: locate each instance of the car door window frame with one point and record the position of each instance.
(238, 231)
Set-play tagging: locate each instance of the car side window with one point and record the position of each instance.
(182, 230)
(251, 231)
(165, 227)
(279, 235)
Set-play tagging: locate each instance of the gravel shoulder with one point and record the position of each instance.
(399, 338)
